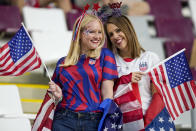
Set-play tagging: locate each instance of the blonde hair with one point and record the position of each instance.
(124, 24)
(75, 48)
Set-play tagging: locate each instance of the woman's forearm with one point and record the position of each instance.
(107, 89)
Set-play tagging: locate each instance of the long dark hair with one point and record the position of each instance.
(124, 24)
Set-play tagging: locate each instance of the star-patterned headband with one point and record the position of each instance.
(95, 9)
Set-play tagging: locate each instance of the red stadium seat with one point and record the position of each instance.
(178, 30)
(173, 47)
(10, 19)
(165, 8)
(71, 18)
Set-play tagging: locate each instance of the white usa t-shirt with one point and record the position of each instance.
(146, 61)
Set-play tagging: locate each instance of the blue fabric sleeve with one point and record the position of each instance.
(109, 65)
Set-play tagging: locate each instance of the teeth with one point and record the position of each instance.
(118, 41)
(95, 41)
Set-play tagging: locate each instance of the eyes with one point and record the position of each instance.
(92, 32)
(115, 31)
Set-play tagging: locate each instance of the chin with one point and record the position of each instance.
(95, 46)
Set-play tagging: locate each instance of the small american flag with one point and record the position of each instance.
(174, 81)
(18, 55)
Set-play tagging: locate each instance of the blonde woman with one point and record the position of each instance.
(83, 78)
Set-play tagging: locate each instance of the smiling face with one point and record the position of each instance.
(91, 36)
(117, 37)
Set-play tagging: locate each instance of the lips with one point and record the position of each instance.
(95, 41)
(118, 42)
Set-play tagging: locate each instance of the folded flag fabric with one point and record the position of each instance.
(125, 96)
(18, 55)
(157, 117)
(44, 118)
(112, 116)
(162, 122)
(174, 82)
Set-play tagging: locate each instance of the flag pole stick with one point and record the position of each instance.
(38, 53)
(163, 61)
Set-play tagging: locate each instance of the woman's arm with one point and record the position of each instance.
(107, 89)
(55, 90)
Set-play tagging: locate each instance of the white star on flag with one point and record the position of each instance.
(105, 129)
(161, 119)
(170, 120)
(114, 126)
(119, 126)
(116, 114)
(162, 129)
(113, 116)
(151, 129)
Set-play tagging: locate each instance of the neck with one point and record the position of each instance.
(125, 53)
(83, 50)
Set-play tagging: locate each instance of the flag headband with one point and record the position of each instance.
(95, 9)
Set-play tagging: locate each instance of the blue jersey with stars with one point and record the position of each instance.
(81, 83)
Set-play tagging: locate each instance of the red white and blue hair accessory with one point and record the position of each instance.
(95, 9)
(79, 21)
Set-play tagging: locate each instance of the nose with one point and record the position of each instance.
(98, 35)
(115, 35)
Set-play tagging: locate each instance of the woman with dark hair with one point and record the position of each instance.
(132, 61)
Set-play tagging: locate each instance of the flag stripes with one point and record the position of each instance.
(18, 55)
(129, 105)
(43, 121)
(27, 63)
(178, 99)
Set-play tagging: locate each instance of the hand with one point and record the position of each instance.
(55, 90)
(136, 77)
